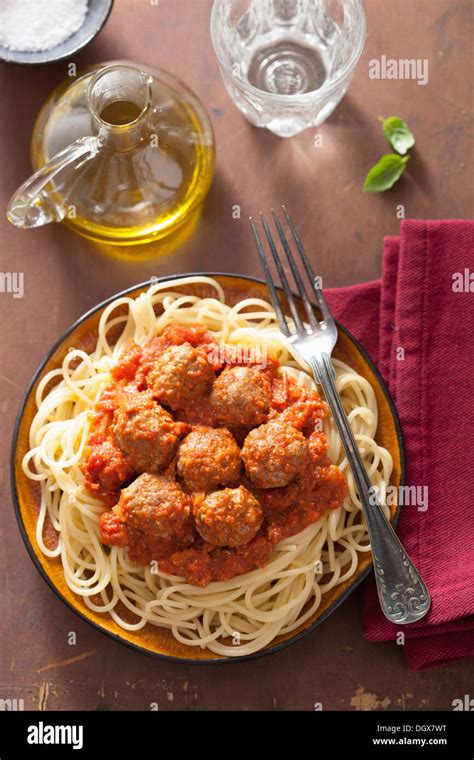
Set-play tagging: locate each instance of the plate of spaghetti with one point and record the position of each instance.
(178, 478)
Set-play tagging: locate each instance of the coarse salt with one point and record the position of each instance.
(37, 25)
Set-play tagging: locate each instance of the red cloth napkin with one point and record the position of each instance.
(423, 304)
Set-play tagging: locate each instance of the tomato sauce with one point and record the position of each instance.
(319, 485)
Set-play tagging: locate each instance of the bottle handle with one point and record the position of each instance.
(32, 205)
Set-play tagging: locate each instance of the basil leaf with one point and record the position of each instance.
(385, 173)
(398, 134)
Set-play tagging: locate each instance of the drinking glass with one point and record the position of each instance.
(287, 63)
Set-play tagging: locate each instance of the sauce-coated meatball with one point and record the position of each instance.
(209, 457)
(241, 396)
(273, 454)
(146, 433)
(156, 507)
(231, 517)
(181, 374)
(106, 470)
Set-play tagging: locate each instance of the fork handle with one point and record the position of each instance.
(403, 595)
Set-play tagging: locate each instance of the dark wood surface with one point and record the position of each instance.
(65, 275)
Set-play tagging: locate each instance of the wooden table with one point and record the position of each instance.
(66, 275)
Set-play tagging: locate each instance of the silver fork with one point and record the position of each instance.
(403, 595)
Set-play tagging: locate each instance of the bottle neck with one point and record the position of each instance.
(120, 99)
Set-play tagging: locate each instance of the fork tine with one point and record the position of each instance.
(283, 279)
(270, 285)
(296, 274)
(318, 293)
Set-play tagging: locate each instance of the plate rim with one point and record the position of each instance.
(116, 637)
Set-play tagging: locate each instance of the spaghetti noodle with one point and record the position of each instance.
(230, 618)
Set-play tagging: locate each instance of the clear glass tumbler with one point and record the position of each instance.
(287, 63)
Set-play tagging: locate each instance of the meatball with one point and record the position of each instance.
(106, 470)
(157, 507)
(209, 457)
(231, 517)
(273, 454)
(181, 374)
(146, 433)
(241, 397)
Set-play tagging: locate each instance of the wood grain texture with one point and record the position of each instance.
(343, 229)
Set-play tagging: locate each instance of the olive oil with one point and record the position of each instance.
(120, 112)
(156, 157)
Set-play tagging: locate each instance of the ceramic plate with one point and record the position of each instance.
(150, 640)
